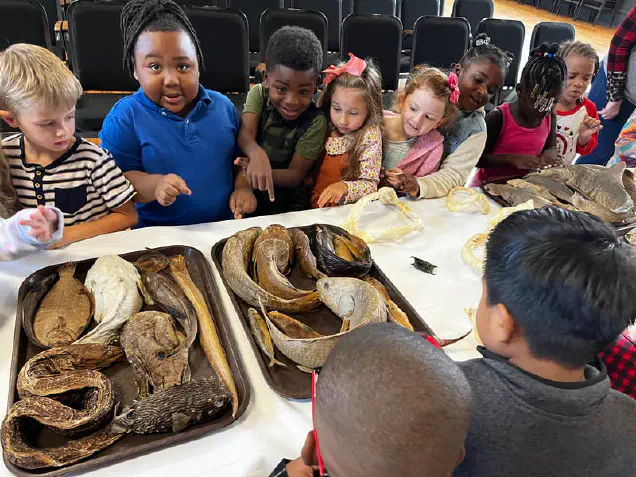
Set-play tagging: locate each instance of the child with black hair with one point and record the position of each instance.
(522, 134)
(360, 431)
(283, 132)
(174, 139)
(481, 73)
(577, 120)
(558, 287)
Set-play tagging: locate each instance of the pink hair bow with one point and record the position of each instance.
(355, 66)
(453, 84)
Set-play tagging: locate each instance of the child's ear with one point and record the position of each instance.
(503, 324)
(8, 118)
(457, 69)
(309, 454)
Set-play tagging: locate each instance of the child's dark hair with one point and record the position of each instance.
(296, 48)
(139, 16)
(483, 51)
(581, 49)
(565, 278)
(545, 71)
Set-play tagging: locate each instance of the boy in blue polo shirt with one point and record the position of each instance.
(174, 140)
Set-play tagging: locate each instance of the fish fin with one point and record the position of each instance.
(617, 171)
(180, 421)
(304, 369)
(274, 361)
(145, 293)
(346, 324)
(263, 309)
(117, 428)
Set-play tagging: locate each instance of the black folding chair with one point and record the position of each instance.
(372, 7)
(95, 52)
(509, 36)
(274, 19)
(223, 34)
(23, 21)
(378, 37)
(410, 11)
(452, 35)
(253, 10)
(332, 9)
(551, 32)
(596, 8)
(473, 10)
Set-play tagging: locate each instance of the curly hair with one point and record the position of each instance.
(370, 83)
(9, 204)
(296, 48)
(581, 49)
(483, 51)
(545, 71)
(139, 16)
(436, 81)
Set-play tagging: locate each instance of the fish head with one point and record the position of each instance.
(126, 421)
(335, 294)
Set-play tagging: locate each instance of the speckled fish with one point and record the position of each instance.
(115, 284)
(304, 256)
(262, 336)
(514, 196)
(64, 312)
(352, 299)
(594, 208)
(554, 186)
(272, 255)
(235, 260)
(175, 409)
(533, 189)
(603, 185)
(395, 315)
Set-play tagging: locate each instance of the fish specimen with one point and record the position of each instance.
(551, 185)
(597, 209)
(272, 254)
(424, 266)
(62, 315)
(353, 299)
(154, 348)
(304, 256)
(472, 197)
(629, 183)
(395, 315)
(514, 196)
(152, 262)
(533, 189)
(339, 253)
(208, 335)
(235, 260)
(115, 285)
(291, 326)
(175, 409)
(603, 185)
(262, 336)
(43, 383)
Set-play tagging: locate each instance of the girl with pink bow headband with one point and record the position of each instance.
(413, 146)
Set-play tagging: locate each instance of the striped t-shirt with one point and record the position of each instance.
(84, 183)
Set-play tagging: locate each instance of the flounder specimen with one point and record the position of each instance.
(338, 252)
(262, 336)
(272, 255)
(603, 185)
(55, 374)
(235, 261)
(515, 196)
(150, 339)
(175, 409)
(115, 285)
(350, 299)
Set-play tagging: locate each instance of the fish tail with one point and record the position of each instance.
(274, 361)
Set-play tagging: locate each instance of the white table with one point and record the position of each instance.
(274, 427)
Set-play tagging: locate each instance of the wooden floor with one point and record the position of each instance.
(597, 36)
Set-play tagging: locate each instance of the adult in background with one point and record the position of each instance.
(614, 90)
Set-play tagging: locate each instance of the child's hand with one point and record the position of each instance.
(611, 109)
(297, 468)
(589, 126)
(242, 201)
(523, 161)
(258, 171)
(333, 194)
(43, 224)
(169, 188)
(404, 183)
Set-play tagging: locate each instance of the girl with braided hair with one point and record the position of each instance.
(522, 134)
(174, 139)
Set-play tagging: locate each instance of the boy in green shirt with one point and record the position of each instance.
(282, 131)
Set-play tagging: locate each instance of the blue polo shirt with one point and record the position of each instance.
(200, 148)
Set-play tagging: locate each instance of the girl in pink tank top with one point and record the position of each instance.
(522, 134)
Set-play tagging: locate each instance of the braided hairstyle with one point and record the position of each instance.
(483, 51)
(139, 16)
(544, 73)
(581, 49)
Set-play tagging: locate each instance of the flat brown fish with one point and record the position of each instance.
(152, 262)
(552, 185)
(272, 255)
(395, 315)
(304, 256)
(292, 327)
(65, 311)
(175, 409)
(533, 189)
(514, 196)
(594, 208)
(262, 336)
(154, 348)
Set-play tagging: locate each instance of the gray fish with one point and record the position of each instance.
(551, 185)
(629, 182)
(175, 409)
(514, 196)
(594, 208)
(533, 189)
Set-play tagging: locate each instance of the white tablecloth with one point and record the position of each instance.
(274, 427)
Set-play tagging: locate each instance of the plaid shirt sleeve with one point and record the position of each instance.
(617, 59)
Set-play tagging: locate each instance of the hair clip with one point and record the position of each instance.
(548, 55)
(453, 84)
(355, 66)
(482, 41)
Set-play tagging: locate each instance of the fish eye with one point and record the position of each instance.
(326, 285)
(132, 414)
(161, 355)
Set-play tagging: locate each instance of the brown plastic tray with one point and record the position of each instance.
(621, 228)
(122, 376)
(291, 382)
